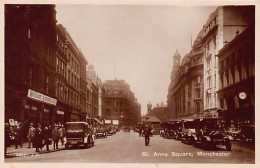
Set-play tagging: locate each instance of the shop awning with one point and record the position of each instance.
(97, 120)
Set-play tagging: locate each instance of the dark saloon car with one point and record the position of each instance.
(78, 133)
(100, 133)
(208, 134)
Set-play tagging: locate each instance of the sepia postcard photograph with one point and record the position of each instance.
(129, 83)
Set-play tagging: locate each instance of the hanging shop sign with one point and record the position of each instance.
(107, 121)
(115, 122)
(41, 97)
(60, 112)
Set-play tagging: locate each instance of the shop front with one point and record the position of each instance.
(39, 108)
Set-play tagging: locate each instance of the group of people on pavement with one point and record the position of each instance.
(38, 136)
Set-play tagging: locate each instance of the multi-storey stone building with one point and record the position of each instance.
(120, 103)
(220, 28)
(30, 63)
(76, 81)
(186, 87)
(62, 114)
(161, 112)
(94, 84)
(237, 79)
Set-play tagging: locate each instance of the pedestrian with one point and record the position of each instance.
(147, 133)
(17, 135)
(140, 132)
(46, 137)
(37, 140)
(31, 133)
(55, 137)
(62, 134)
(7, 137)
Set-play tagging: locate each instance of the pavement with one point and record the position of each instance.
(25, 151)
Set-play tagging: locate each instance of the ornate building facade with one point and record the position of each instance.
(220, 28)
(186, 87)
(120, 103)
(237, 79)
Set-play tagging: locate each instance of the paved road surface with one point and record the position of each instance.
(125, 147)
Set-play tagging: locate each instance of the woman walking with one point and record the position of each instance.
(46, 137)
(37, 140)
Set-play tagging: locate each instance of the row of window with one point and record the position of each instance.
(210, 25)
(73, 79)
(73, 63)
(61, 68)
(180, 107)
(209, 101)
(236, 74)
(34, 79)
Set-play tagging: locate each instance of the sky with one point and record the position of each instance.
(135, 43)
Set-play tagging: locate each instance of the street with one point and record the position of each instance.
(128, 147)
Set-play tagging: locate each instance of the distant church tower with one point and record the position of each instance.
(176, 63)
(149, 108)
(176, 59)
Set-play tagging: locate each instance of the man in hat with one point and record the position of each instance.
(147, 133)
(31, 134)
(55, 136)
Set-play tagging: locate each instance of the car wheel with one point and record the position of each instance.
(205, 144)
(193, 142)
(188, 141)
(228, 146)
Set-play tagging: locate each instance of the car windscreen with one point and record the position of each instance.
(75, 130)
(189, 124)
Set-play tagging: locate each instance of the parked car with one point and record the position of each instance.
(126, 129)
(78, 133)
(209, 134)
(101, 133)
(109, 130)
(247, 133)
(234, 133)
(187, 130)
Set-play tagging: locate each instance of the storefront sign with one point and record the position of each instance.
(60, 112)
(107, 121)
(27, 106)
(115, 122)
(34, 108)
(46, 110)
(11, 122)
(41, 97)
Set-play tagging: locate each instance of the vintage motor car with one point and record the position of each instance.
(109, 130)
(188, 129)
(234, 133)
(247, 133)
(100, 133)
(209, 133)
(78, 133)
